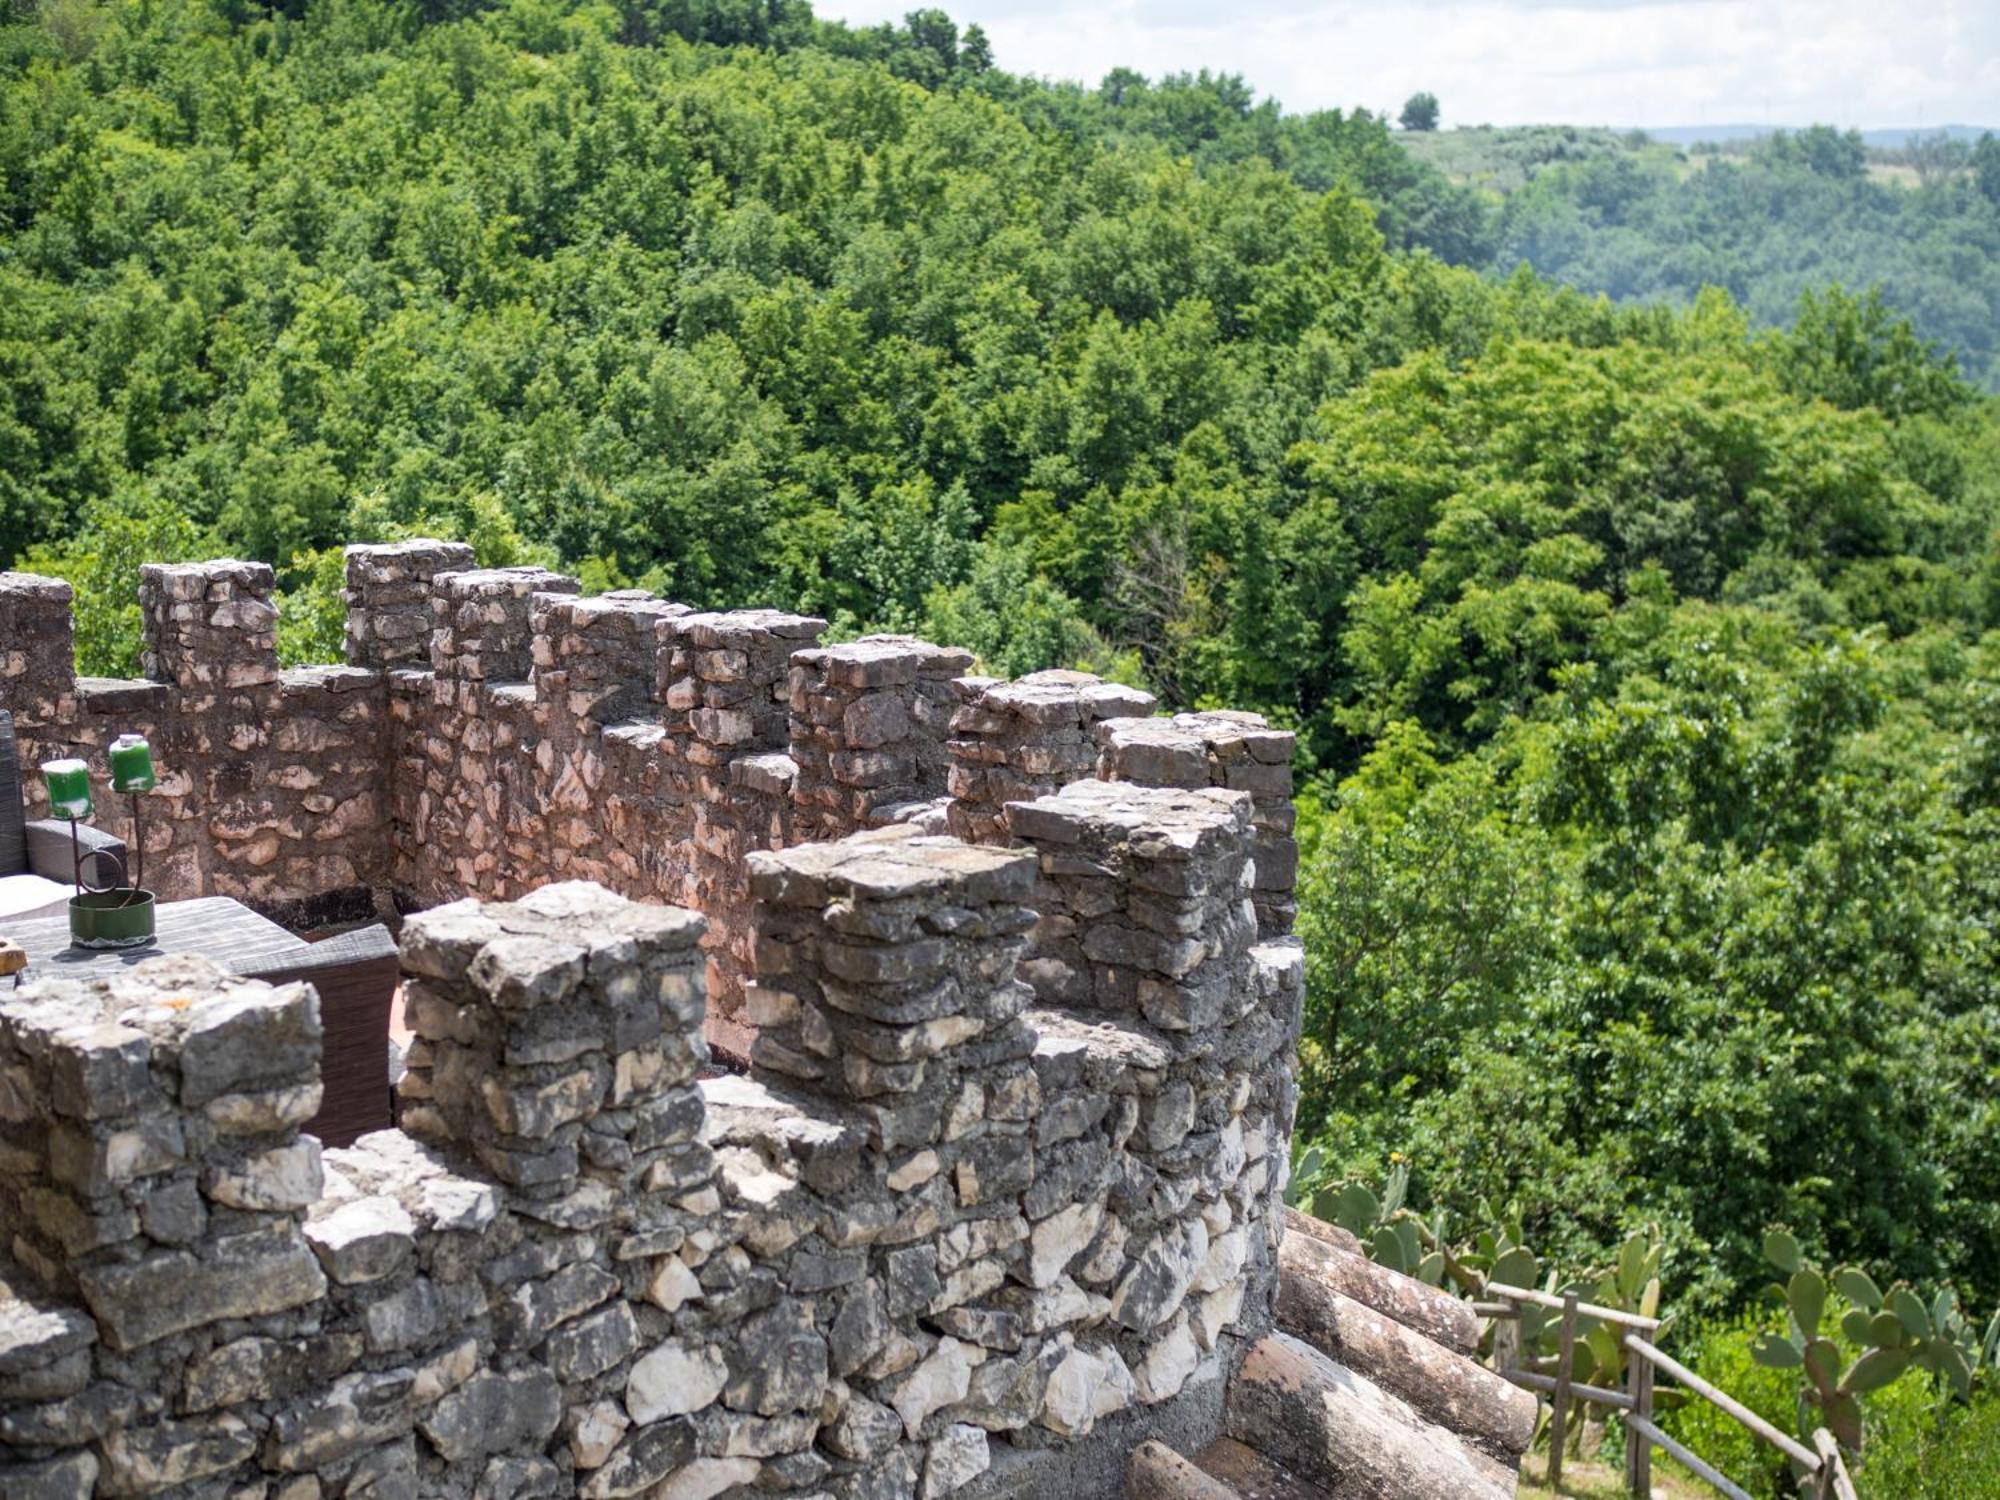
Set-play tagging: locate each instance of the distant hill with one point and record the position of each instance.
(1644, 216)
(1890, 137)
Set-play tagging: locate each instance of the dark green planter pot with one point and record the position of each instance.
(111, 919)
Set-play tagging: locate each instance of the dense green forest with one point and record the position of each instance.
(1644, 657)
(1768, 220)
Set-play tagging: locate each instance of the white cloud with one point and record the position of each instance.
(1622, 62)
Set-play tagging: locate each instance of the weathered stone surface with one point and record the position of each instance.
(1088, 1385)
(355, 1412)
(364, 1240)
(777, 1362)
(241, 1276)
(38, 1344)
(285, 1177)
(590, 1346)
(1160, 1277)
(940, 1380)
(705, 1478)
(1168, 1364)
(595, 1431)
(647, 1456)
(1060, 1239)
(957, 1456)
(256, 1033)
(253, 1369)
(864, 1430)
(674, 1379)
(166, 1455)
(404, 1319)
(493, 1413)
(68, 1476)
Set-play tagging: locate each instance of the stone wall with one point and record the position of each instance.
(271, 782)
(969, 1226)
(494, 731)
(1014, 741)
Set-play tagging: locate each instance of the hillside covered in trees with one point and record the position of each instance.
(1644, 661)
(1768, 220)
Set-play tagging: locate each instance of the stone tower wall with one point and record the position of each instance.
(947, 1237)
(493, 731)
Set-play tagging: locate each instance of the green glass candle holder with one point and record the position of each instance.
(68, 783)
(132, 764)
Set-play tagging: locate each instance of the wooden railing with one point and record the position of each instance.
(1822, 1470)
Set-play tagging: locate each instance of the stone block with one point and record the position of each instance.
(239, 1276)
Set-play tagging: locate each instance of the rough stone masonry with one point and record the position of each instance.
(940, 1239)
(492, 731)
(995, 1199)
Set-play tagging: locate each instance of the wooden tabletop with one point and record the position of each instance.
(215, 927)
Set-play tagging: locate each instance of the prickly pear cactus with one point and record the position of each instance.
(1894, 1332)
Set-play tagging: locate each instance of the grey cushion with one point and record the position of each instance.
(23, 896)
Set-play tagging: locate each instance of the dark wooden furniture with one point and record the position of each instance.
(37, 866)
(214, 927)
(355, 975)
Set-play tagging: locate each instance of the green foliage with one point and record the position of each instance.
(1640, 221)
(1643, 666)
(1420, 112)
(1017, 622)
(312, 608)
(1720, 1351)
(1892, 1334)
(1919, 1449)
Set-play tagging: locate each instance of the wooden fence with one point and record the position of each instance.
(1823, 1473)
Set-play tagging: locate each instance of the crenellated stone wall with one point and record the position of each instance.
(1012, 741)
(272, 785)
(952, 1235)
(494, 731)
(995, 1198)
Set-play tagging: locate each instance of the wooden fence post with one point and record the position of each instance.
(1507, 1342)
(1559, 1402)
(1833, 1481)
(1639, 1447)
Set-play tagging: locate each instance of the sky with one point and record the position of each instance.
(1869, 63)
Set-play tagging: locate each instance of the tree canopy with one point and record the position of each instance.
(1641, 645)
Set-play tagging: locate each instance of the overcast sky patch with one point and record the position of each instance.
(1508, 62)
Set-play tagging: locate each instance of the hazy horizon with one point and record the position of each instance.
(1644, 64)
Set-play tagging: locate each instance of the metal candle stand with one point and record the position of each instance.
(94, 920)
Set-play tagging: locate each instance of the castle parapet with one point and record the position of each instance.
(211, 629)
(389, 599)
(480, 621)
(37, 652)
(152, 1166)
(595, 660)
(1221, 748)
(556, 1040)
(869, 720)
(1016, 740)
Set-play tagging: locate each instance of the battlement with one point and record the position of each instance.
(940, 1240)
(494, 731)
(995, 1198)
